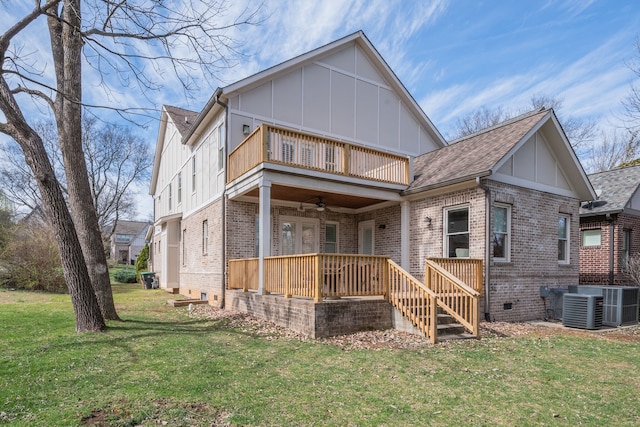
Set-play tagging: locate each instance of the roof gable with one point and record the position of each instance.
(530, 150)
(182, 120)
(348, 72)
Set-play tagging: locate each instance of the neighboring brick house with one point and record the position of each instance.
(127, 240)
(329, 153)
(613, 217)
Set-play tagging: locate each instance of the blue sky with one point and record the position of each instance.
(453, 56)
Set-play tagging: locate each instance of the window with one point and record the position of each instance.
(257, 236)
(179, 187)
(193, 174)
(205, 236)
(457, 233)
(626, 248)
(501, 232)
(298, 236)
(591, 237)
(221, 145)
(331, 238)
(123, 238)
(287, 151)
(563, 239)
(184, 247)
(170, 196)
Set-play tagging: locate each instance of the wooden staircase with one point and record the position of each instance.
(443, 308)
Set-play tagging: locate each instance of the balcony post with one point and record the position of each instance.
(264, 235)
(405, 234)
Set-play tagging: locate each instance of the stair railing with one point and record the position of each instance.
(455, 297)
(413, 299)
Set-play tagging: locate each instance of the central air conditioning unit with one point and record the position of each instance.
(582, 311)
(620, 303)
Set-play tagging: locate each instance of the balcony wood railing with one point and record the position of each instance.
(272, 144)
(455, 297)
(469, 271)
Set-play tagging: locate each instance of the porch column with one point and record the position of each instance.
(264, 228)
(405, 233)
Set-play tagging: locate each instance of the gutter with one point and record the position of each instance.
(446, 183)
(612, 230)
(487, 255)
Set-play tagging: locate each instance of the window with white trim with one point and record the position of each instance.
(193, 174)
(501, 232)
(331, 238)
(456, 230)
(170, 196)
(179, 187)
(205, 237)
(184, 247)
(563, 239)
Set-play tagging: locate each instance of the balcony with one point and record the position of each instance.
(271, 144)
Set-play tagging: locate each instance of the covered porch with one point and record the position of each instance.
(332, 294)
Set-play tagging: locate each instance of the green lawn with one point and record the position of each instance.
(162, 367)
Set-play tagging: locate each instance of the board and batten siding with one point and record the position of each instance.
(340, 96)
(177, 158)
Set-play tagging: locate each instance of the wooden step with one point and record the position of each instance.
(185, 302)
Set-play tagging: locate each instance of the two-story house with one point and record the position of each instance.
(321, 178)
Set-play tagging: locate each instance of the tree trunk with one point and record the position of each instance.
(87, 312)
(66, 43)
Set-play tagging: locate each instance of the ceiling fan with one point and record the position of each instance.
(321, 206)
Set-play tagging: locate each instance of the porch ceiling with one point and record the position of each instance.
(304, 195)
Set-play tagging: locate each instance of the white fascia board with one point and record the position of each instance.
(525, 183)
(164, 117)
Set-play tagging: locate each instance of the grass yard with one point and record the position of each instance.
(162, 366)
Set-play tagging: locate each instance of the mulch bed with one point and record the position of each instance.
(393, 339)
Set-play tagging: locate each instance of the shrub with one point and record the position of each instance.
(142, 262)
(125, 275)
(31, 259)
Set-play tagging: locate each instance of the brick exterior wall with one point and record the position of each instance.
(514, 285)
(315, 320)
(594, 260)
(201, 270)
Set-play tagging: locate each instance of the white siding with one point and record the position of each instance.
(341, 96)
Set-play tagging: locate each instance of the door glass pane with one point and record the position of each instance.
(367, 241)
(308, 238)
(288, 238)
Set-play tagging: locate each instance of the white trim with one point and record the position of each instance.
(567, 260)
(445, 228)
(525, 183)
(508, 207)
(337, 242)
(300, 221)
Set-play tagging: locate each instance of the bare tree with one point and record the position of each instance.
(115, 157)
(631, 103)
(579, 132)
(116, 38)
(617, 148)
(480, 119)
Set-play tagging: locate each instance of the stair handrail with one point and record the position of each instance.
(454, 296)
(423, 312)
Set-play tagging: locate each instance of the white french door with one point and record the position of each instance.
(298, 235)
(366, 237)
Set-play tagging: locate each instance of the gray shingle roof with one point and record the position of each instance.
(616, 187)
(178, 116)
(473, 155)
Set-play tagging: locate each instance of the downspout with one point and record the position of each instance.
(612, 242)
(487, 248)
(224, 200)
